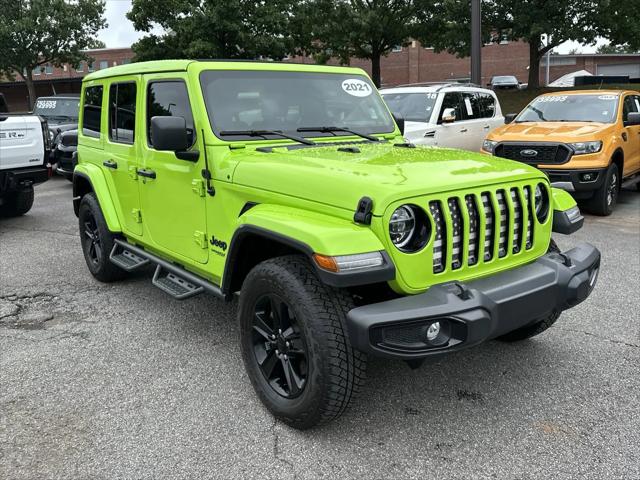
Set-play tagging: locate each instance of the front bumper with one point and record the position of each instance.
(66, 160)
(581, 183)
(476, 311)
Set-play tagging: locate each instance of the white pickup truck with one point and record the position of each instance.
(24, 152)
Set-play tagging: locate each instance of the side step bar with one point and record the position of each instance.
(631, 181)
(173, 279)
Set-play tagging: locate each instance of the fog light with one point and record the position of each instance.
(588, 177)
(433, 331)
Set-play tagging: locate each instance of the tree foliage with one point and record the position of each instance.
(367, 29)
(213, 28)
(39, 32)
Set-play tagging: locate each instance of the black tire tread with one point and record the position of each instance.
(598, 203)
(18, 203)
(346, 365)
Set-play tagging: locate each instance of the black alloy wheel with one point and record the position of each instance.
(279, 349)
(91, 239)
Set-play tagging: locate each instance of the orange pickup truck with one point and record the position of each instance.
(587, 142)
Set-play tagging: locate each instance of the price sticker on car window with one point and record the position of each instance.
(356, 87)
(607, 97)
(551, 99)
(46, 104)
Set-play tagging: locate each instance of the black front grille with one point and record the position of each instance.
(551, 153)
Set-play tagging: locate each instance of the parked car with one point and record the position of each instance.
(292, 186)
(24, 147)
(449, 115)
(505, 82)
(586, 141)
(61, 113)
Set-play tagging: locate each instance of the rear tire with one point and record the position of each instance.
(97, 241)
(306, 335)
(538, 327)
(17, 203)
(605, 198)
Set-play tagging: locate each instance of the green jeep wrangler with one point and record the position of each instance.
(291, 185)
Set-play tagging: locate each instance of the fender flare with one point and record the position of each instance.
(287, 226)
(95, 177)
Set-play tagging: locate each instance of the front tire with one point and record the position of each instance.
(605, 198)
(18, 203)
(538, 327)
(295, 344)
(97, 241)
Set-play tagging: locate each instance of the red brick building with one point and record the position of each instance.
(410, 64)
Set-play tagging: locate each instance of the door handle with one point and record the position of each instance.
(110, 164)
(464, 130)
(146, 173)
(487, 127)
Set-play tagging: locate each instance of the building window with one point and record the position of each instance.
(126, 61)
(104, 64)
(37, 71)
(91, 66)
(397, 48)
(48, 69)
(80, 67)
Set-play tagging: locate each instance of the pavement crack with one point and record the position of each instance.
(276, 448)
(590, 334)
(40, 230)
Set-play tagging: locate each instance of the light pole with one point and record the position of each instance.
(476, 42)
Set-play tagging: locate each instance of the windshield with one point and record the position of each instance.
(414, 107)
(571, 108)
(63, 108)
(239, 101)
(505, 79)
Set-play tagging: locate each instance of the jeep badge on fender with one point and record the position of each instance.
(340, 240)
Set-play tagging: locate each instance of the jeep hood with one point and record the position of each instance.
(383, 172)
(551, 132)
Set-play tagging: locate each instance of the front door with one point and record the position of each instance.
(632, 145)
(454, 134)
(171, 190)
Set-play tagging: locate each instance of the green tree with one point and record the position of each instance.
(611, 48)
(34, 33)
(212, 28)
(367, 29)
(620, 21)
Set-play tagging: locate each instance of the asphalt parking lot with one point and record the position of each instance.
(121, 381)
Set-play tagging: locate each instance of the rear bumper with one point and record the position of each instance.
(16, 179)
(476, 311)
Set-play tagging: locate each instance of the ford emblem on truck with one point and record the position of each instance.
(529, 153)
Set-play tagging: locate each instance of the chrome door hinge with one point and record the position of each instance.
(198, 187)
(137, 216)
(200, 238)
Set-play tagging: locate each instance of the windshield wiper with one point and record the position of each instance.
(263, 133)
(338, 129)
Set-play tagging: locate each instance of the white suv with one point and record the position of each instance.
(449, 115)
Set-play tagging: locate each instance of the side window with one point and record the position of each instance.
(92, 114)
(471, 106)
(630, 106)
(122, 112)
(166, 99)
(487, 105)
(452, 100)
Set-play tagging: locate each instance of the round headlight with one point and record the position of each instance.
(409, 228)
(402, 226)
(541, 202)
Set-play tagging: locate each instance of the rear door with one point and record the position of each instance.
(120, 162)
(173, 201)
(631, 104)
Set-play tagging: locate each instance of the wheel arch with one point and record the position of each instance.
(618, 159)
(90, 179)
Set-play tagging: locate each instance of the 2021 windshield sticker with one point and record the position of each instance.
(356, 87)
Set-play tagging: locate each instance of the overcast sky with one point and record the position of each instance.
(121, 33)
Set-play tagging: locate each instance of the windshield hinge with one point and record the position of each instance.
(364, 211)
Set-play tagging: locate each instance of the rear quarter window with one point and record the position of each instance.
(92, 111)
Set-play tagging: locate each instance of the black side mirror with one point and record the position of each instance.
(170, 134)
(510, 117)
(399, 119)
(632, 119)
